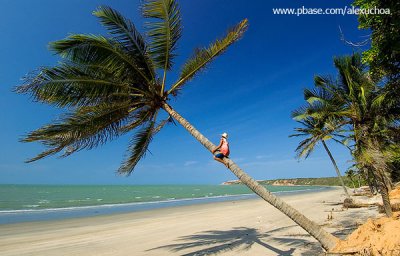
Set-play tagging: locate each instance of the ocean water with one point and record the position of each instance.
(19, 203)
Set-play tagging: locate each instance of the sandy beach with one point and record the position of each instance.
(245, 227)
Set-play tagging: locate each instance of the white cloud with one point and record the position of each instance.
(189, 163)
(238, 160)
(263, 156)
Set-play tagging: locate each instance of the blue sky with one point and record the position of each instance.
(248, 92)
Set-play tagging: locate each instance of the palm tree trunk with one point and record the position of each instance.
(388, 181)
(372, 181)
(336, 168)
(385, 195)
(327, 240)
(386, 201)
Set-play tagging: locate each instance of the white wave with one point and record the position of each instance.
(31, 205)
(77, 208)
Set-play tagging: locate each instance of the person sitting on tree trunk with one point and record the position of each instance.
(223, 149)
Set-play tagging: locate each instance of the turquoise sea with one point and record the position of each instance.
(20, 203)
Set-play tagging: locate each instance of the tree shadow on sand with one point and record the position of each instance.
(241, 239)
(349, 221)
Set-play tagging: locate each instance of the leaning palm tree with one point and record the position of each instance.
(118, 85)
(318, 131)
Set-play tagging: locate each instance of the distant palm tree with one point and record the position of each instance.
(351, 175)
(318, 131)
(118, 84)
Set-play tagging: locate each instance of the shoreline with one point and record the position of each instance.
(31, 215)
(243, 227)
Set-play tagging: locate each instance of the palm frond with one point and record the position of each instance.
(162, 124)
(305, 148)
(317, 110)
(126, 34)
(300, 113)
(320, 80)
(343, 143)
(98, 50)
(317, 95)
(87, 128)
(344, 78)
(140, 143)
(45, 153)
(316, 130)
(69, 85)
(164, 29)
(137, 149)
(379, 101)
(327, 83)
(202, 57)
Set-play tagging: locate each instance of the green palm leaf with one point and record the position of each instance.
(316, 130)
(139, 145)
(45, 153)
(125, 32)
(164, 30)
(98, 50)
(204, 56)
(300, 113)
(318, 94)
(69, 85)
(139, 117)
(87, 128)
(137, 149)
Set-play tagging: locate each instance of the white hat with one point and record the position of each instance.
(225, 135)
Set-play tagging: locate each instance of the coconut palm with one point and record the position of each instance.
(318, 131)
(114, 85)
(360, 105)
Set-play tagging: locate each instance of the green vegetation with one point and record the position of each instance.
(384, 55)
(324, 181)
(367, 119)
